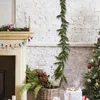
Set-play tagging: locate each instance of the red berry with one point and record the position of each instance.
(44, 73)
(89, 67)
(98, 39)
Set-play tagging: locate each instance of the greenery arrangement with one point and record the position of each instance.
(93, 75)
(11, 27)
(36, 79)
(63, 43)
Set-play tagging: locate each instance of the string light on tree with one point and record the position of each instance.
(91, 60)
(96, 84)
(99, 57)
(89, 80)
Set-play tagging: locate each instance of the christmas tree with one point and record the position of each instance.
(93, 74)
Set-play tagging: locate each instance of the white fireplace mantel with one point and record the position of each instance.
(14, 35)
(20, 58)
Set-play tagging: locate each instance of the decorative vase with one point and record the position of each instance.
(49, 94)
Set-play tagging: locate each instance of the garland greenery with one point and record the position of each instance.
(63, 43)
(12, 28)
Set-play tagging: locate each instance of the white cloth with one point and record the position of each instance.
(73, 94)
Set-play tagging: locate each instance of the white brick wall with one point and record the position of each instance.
(83, 16)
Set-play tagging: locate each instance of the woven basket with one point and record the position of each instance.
(49, 94)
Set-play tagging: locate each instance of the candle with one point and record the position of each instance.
(29, 23)
(13, 97)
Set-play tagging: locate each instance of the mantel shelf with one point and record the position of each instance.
(15, 35)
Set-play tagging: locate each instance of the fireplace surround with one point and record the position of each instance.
(20, 59)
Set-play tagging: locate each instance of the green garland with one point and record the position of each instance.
(7, 28)
(63, 43)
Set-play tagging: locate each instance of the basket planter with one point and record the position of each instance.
(49, 94)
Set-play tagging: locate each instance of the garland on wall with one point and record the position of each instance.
(63, 43)
(15, 45)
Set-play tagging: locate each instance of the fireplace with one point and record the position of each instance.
(19, 66)
(7, 77)
(16, 59)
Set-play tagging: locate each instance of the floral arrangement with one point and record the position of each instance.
(12, 27)
(43, 77)
(35, 80)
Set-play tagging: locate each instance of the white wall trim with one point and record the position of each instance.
(72, 44)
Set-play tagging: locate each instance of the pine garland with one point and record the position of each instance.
(63, 43)
(12, 28)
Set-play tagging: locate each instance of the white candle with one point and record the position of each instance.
(29, 23)
(13, 97)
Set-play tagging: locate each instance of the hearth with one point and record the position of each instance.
(7, 77)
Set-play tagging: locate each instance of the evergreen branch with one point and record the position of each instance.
(57, 63)
(64, 78)
(59, 74)
(36, 90)
(26, 87)
(61, 81)
(63, 43)
(59, 68)
(58, 16)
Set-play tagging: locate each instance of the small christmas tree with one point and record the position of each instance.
(93, 75)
